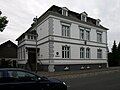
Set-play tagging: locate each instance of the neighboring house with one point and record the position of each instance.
(8, 51)
(66, 41)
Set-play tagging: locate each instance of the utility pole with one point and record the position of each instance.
(35, 21)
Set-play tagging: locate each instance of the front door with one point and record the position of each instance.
(32, 58)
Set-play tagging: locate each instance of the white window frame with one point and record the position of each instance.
(87, 35)
(83, 18)
(82, 34)
(82, 53)
(28, 37)
(99, 37)
(65, 30)
(87, 53)
(99, 53)
(66, 52)
(64, 11)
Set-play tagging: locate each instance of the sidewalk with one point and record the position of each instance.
(80, 73)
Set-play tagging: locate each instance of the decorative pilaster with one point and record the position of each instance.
(50, 26)
(51, 47)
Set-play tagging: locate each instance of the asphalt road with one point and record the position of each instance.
(106, 81)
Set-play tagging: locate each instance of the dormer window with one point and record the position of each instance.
(84, 16)
(64, 11)
(98, 22)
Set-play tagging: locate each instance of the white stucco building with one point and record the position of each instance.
(66, 41)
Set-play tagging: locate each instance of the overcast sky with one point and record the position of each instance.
(20, 14)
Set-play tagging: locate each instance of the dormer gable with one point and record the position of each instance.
(64, 11)
(98, 22)
(84, 16)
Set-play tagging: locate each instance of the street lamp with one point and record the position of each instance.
(35, 22)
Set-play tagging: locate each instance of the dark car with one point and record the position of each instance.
(18, 79)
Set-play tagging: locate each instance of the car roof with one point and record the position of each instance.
(11, 69)
(19, 69)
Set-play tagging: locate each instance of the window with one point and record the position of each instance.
(65, 52)
(88, 35)
(99, 53)
(21, 76)
(98, 22)
(28, 36)
(32, 37)
(82, 52)
(64, 11)
(82, 33)
(83, 18)
(99, 37)
(87, 53)
(65, 31)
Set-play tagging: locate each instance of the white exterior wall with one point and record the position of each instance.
(75, 51)
(44, 51)
(74, 30)
(42, 29)
(75, 43)
(75, 55)
(104, 37)
(22, 55)
(93, 35)
(57, 27)
(52, 26)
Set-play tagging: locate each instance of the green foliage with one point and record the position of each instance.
(114, 56)
(119, 54)
(3, 22)
(114, 48)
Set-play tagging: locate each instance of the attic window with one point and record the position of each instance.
(98, 22)
(64, 11)
(84, 16)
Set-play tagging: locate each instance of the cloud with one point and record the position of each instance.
(21, 13)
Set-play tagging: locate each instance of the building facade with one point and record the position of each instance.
(8, 51)
(65, 40)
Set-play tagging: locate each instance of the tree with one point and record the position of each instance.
(119, 54)
(3, 22)
(110, 59)
(114, 54)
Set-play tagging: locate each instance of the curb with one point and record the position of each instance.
(81, 73)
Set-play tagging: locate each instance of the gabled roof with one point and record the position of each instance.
(55, 10)
(84, 13)
(65, 8)
(7, 42)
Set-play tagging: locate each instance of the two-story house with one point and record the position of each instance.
(65, 40)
